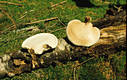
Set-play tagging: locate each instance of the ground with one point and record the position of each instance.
(12, 37)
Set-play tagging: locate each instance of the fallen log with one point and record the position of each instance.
(112, 40)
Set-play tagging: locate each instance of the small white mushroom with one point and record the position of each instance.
(40, 42)
(82, 34)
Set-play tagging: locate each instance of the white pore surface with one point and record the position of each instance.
(37, 41)
(82, 34)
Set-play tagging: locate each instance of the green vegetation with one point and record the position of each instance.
(38, 10)
(11, 40)
(95, 69)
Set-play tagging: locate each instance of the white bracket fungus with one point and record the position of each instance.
(40, 42)
(82, 34)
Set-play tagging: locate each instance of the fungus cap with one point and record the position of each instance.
(82, 34)
(38, 41)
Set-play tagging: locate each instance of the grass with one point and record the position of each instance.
(11, 40)
(96, 69)
(38, 10)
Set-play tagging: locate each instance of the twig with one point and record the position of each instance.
(53, 25)
(58, 29)
(49, 19)
(12, 20)
(58, 4)
(9, 40)
(85, 62)
(74, 74)
(118, 8)
(26, 14)
(61, 22)
(10, 3)
(75, 67)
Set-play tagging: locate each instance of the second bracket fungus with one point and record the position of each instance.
(82, 33)
(40, 42)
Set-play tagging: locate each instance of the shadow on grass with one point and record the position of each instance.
(115, 15)
(84, 3)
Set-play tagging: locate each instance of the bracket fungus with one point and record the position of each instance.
(82, 33)
(40, 42)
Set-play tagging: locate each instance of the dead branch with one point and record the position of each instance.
(26, 14)
(61, 22)
(58, 4)
(58, 29)
(49, 19)
(12, 20)
(84, 62)
(76, 66)
(10, 3)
